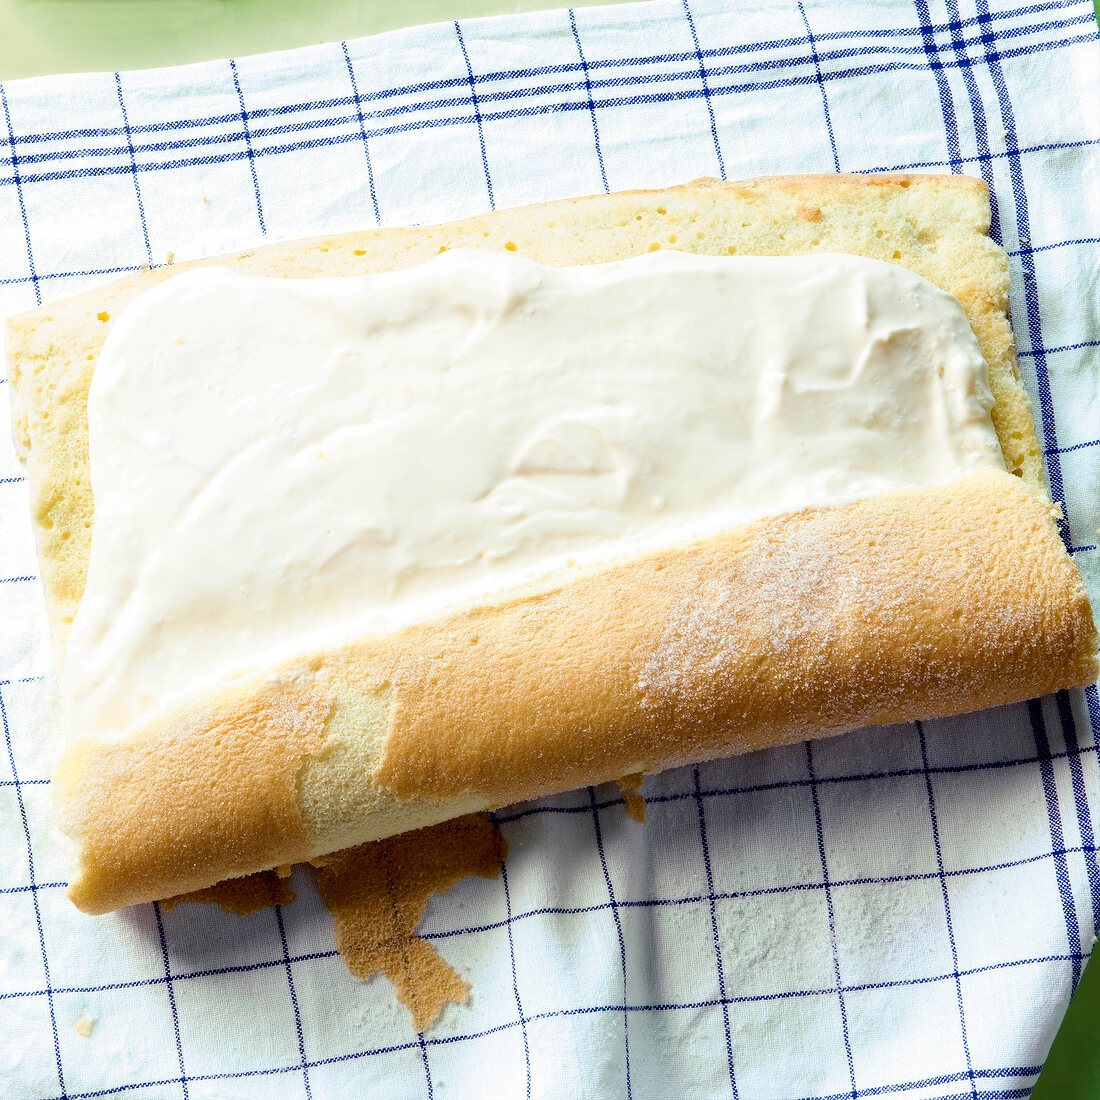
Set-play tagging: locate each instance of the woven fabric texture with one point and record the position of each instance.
(902, 911)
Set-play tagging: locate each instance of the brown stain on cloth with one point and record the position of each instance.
(377, 894)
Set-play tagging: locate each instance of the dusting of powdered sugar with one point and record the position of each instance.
(813, 609)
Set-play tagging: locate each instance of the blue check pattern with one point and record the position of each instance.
(902, 911)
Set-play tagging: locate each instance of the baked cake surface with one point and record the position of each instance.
(912, 605)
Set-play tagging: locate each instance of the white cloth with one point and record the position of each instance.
(896, 912)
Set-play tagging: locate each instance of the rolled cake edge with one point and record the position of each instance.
(912, 605)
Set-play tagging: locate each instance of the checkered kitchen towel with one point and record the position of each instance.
(900, 912)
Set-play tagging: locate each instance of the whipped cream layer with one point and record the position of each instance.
(279, 465)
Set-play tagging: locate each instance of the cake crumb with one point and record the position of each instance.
(243, 896)
(633, 799)
(377, 894)
(83, 1026)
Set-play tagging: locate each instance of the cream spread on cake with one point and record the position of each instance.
(280, 465)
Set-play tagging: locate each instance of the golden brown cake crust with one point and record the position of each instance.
(243, 896)
(912, 605)
(211, 794)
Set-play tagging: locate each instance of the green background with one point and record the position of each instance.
(64, 36)
(57, 36)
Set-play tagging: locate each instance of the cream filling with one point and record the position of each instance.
(279, 465)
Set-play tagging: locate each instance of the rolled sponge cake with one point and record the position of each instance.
(911, 605)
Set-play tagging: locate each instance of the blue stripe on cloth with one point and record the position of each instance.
(33, 885)
(424, 1059)
(1028, 250)
(880, 880)
(1054, 468)
(925, 27)
(515, 977)
(358, 101)
(706, 88)
(248, 150)
(821, 86)
(883, 1090)
(1031, 300)
(591, 104)
(1093, 704)
(947, 102)
(942, 874)
(168, 985)
(17, 181)
(1054, 817)
(614, 906)
(477, 115)
(784, 784)
(134, 169)
(250, 132)
(1080, 801)
(977, 114)
(701, 812)
(1088, 442)
(829, 903)
(784, 995)
(655, 799)
(278, 910)
(251, 153)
